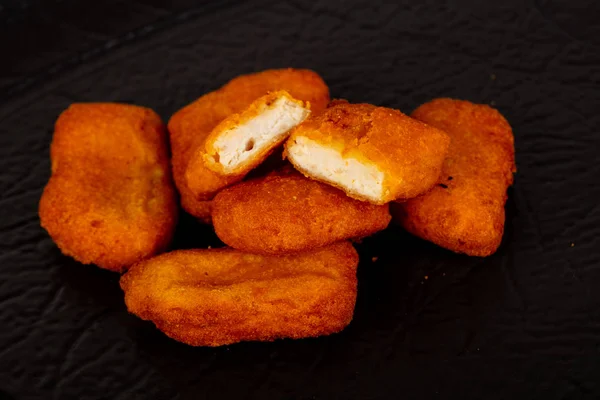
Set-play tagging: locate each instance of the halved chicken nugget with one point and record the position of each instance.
(464, 212)
(110, 200)
(222, 296)
(372, 153)
(191, 125)
(285, 213)
(242, 141)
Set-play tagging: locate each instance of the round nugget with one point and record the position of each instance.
(110, 200)
(222, 296)
(286, 213)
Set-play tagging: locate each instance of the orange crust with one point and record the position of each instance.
(187, 129)
(190, 126)
(110, 200)
(465, 211)
(408, 152)
(255, 109)
(285, 213)
(223, 296)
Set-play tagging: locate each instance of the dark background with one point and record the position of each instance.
(524, 323)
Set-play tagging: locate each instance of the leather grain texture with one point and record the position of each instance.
(524, 323)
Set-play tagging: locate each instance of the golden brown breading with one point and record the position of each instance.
(191, 125)
(222, 296)
(244, 140)
(110, 200)
(202, 209)
(373, 153)
(187, 129)
(286, 213)
(465, 211)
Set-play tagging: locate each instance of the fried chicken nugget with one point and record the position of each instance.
(191, 125)
(372, 153)
(243, 141)
(465, 211)
(110, 200)
(223, 296)
(285, 213)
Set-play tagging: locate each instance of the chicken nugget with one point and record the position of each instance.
(110, 200)
(243, 141)
(190, 126)
(186, 128)
(372, 153)
(286, 213)
(223, 296)
(464, 212)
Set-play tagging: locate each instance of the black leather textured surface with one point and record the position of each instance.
(524, 323)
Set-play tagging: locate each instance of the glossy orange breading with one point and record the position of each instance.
(465, 211)
(110, 200)
(286, 212)
(372, 153)
(191, 125)
(223, 296)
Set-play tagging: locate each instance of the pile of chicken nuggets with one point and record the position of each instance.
(288, 268)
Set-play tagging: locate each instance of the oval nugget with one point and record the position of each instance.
(110, 200)
(464, 212)
(190, 127)
(222, 296)
(285, 213)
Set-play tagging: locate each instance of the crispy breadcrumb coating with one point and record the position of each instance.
(110, 200)
(286, 212)
(223, 296)
(464, 212)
